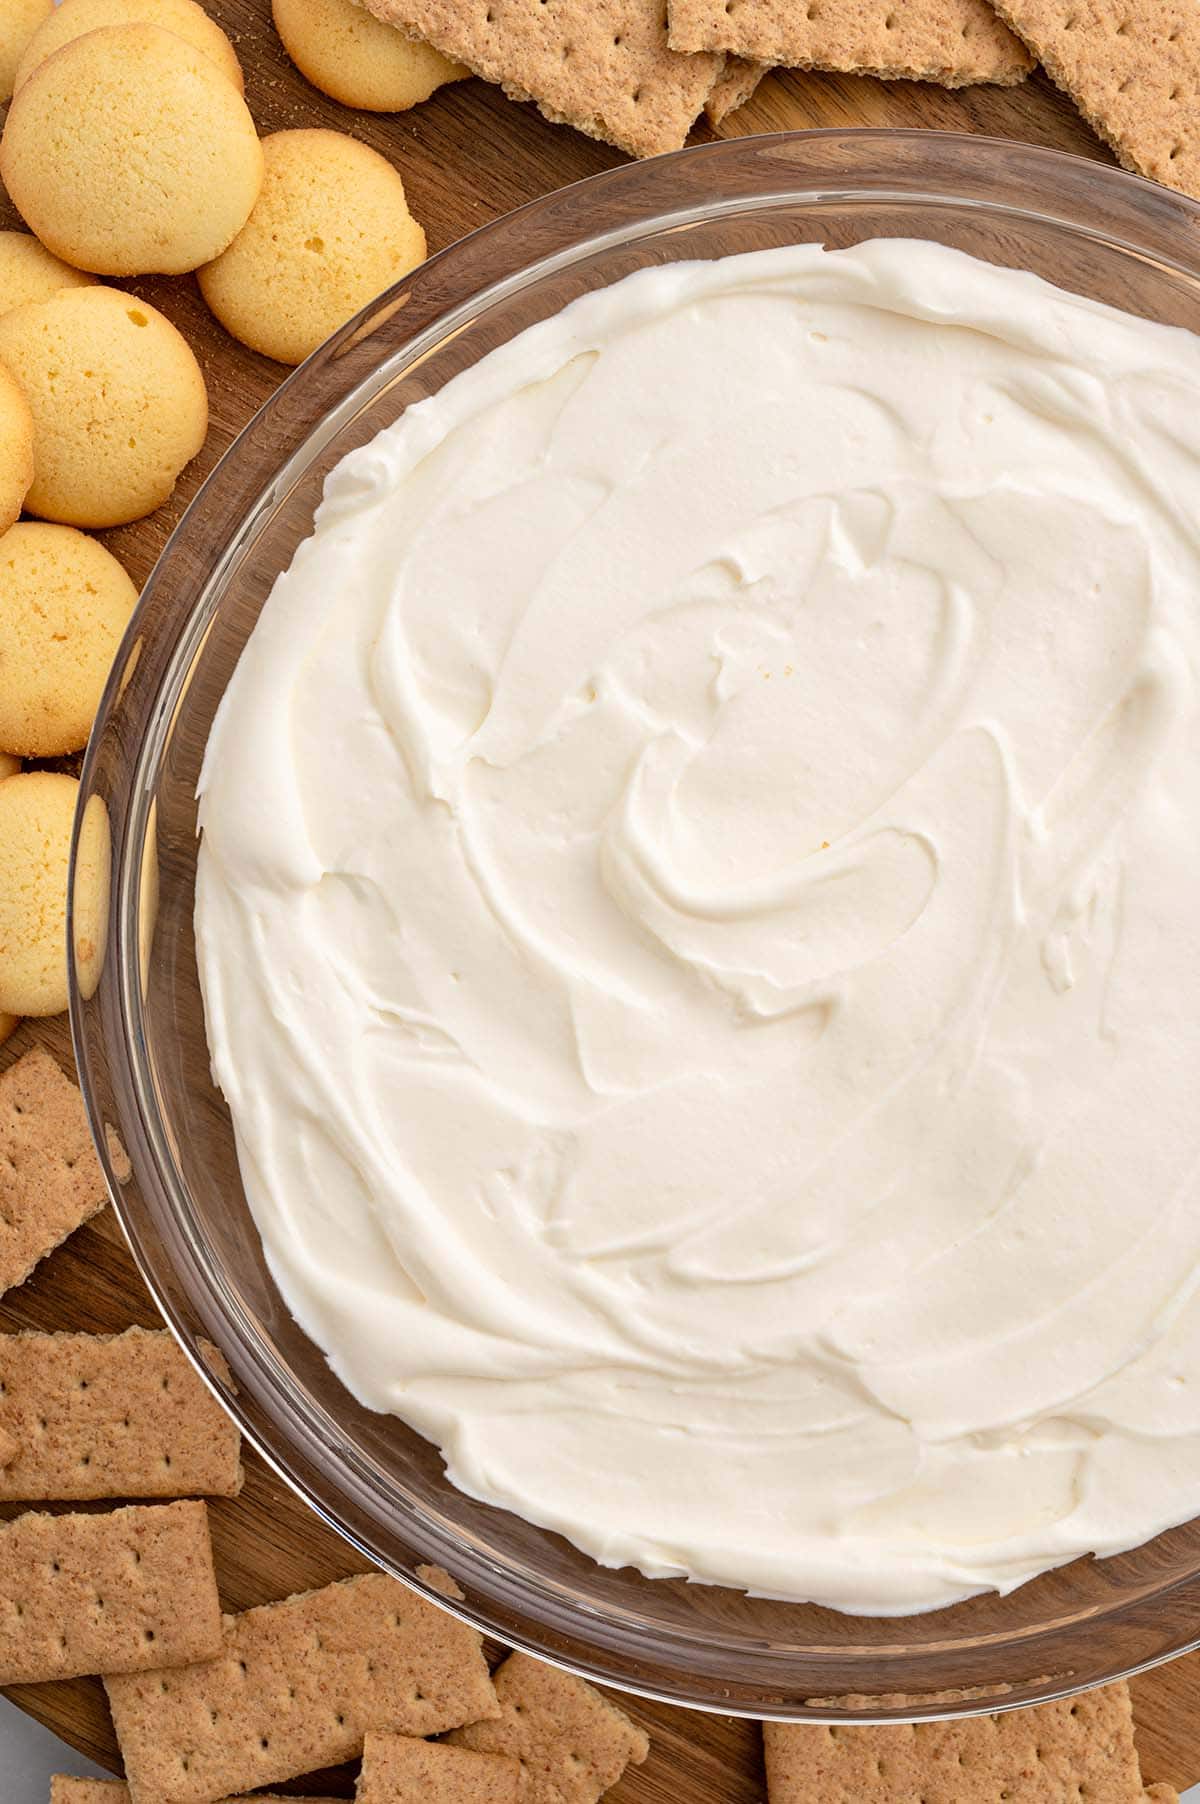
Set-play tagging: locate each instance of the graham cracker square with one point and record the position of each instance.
(1132, 67)
(954, 42)
(603, 66)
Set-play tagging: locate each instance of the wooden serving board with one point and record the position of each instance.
(467, 156)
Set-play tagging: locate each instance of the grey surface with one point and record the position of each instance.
(29, 1754)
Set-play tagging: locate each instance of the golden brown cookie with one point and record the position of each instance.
(93, 876)
(341, 49)
(37, 810)
(64, 603)
(16, 449)
(130, 151)
(118, 401)
(330, 231)
(19, 20)
(8, 1023)
(29, 273)
(187, 20)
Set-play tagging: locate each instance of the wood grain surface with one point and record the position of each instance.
(466, 156)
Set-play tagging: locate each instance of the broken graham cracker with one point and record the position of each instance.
(438, 1579)
(736, 83)
(571, 1742)
(398, 1770)
(121, 1415)
(115, 1592)
(1075, 1747)
(113, 1791)
(1132, 67)
(603, 66)
(954, 42)
(50, 1177)
(294, 1688)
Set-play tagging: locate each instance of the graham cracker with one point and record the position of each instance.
(1076, 1747)
(50, 1177)
(120, 1415)
(294, 1688)
(735, 85)
(603, 66)
(112, 1791)
(9, 1447)
(116, 1592)
(398, 1770)
(571, 1742)
(954, 42)
(1132, 67)
(438, 1579)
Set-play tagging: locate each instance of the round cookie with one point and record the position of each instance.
(129, 151)
(356, 59)
(64, 603)
(118, 401)
(75, 17)
(19, 21)
(8, 1023)
(330, 231)
(28, 272)
(16, 449)
(37, 810)
(93, 879)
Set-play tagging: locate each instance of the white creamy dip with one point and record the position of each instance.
(699, 915)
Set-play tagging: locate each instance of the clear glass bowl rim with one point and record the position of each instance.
(1154, 224)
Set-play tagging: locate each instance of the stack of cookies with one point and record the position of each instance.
(102, 401)
(304, 226)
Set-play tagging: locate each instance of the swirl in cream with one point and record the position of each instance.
(699, 913)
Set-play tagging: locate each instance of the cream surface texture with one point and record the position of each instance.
(699, 917)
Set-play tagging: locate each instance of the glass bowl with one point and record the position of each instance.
(138, 1023)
